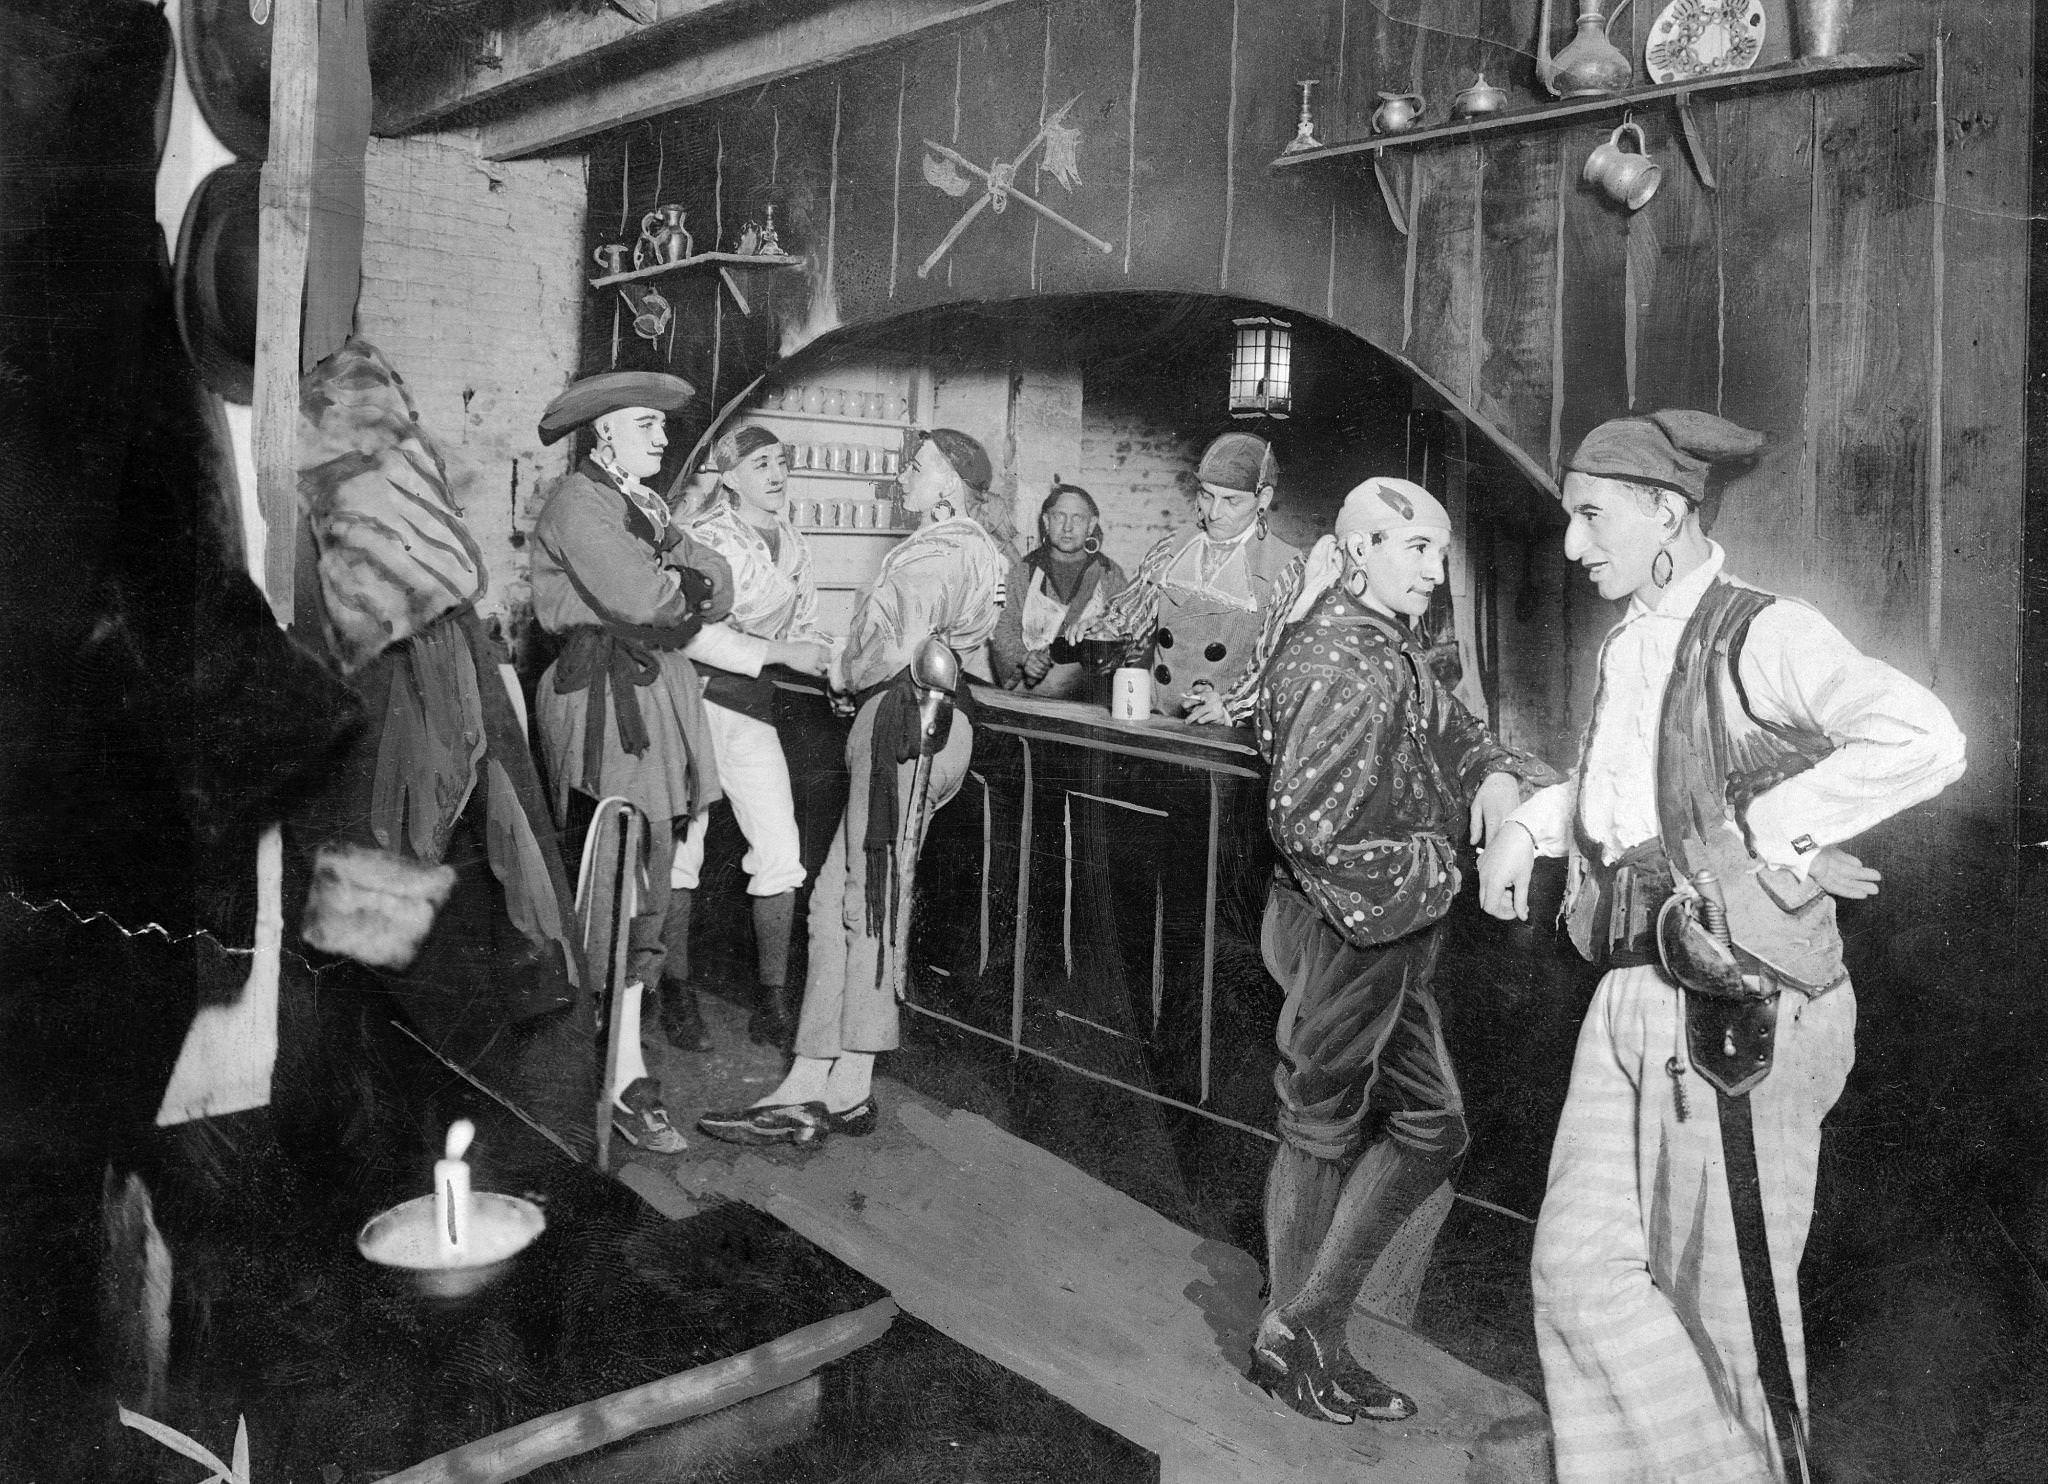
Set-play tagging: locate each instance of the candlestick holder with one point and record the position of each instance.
(1304, 128)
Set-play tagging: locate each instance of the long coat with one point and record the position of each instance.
(600, 561)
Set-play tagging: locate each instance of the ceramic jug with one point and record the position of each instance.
(1397, 112)
(1591, 65)
(663, 238)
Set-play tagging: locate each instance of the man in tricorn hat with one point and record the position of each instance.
(1376, 771)
(621, 710)
(1737, 740)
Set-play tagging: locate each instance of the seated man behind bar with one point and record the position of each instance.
(1374, 766)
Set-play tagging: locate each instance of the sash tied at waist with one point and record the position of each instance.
(614, 663)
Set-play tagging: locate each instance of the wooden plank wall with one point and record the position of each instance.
(1812, 296)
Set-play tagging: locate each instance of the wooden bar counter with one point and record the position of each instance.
(1118, 872)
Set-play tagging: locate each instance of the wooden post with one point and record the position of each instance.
(286, 207)
(311, 213)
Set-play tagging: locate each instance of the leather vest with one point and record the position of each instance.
(1713, 758)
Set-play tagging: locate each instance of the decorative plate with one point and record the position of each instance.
(1699, 38)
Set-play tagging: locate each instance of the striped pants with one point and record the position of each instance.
(1648, 1364)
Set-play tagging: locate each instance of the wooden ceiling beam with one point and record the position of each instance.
(732, 64)
(549, 49)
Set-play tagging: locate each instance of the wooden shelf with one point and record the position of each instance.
(828, 417)
(871, 477)
(717, 259)
(854, 530)
(1809, 73)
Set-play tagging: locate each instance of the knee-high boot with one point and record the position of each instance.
(772, 1023)
(681, 1021)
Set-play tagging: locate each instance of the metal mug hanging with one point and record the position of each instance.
(1631, 179)
(611, 258)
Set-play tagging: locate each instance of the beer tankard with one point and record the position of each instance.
(1631, 179)
(611, 258)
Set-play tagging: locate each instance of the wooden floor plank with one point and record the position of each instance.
(1133, 1321)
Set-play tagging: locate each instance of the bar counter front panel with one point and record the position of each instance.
(1092, 897)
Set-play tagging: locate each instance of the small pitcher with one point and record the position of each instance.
(1398, 112)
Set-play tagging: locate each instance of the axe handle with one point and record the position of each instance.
(953, 236)
(1053, 216)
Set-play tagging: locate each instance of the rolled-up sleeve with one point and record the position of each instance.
(1547, 816)
(1896, 745)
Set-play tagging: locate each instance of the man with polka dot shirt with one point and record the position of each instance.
(1375, 770)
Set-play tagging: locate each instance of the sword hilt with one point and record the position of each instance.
(1713, 906)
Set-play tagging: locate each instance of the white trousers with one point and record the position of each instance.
(1641, 1324)
(755, 777)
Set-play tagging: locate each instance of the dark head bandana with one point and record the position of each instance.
(1238, 461)
(1674, 450)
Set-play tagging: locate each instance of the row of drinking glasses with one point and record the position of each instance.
(845, 458)
(835, 401)
(845, 515)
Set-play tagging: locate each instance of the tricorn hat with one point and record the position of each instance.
(214, 294)
(592, 397)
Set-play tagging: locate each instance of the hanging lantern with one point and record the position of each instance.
(1259, 368)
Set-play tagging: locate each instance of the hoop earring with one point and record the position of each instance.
(1354, 584)
(943, 510)
(1660, 567)
(1262, 525)
(1092, 545)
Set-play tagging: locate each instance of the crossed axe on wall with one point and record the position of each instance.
(999, 182)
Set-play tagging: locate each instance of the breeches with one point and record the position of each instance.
(755, 777)
(1360, 1039)
(1648, 1362)
(849, 1003)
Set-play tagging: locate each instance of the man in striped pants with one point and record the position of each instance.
(1651, 1362)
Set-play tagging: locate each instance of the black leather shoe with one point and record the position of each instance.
(775, 1123)
(856, 1121)
(771, 1024)
(1293, 1370)
(682, 1022)
(1371, 1397)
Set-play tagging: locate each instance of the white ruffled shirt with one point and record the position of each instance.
(1895, 743)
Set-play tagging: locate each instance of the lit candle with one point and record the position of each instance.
(451, 1195)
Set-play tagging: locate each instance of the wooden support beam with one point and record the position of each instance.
(309, 246)
(520, 1450)
(616, 96)
(283, 228)
(558, 46)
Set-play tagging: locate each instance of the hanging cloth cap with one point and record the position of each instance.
(1675, 450)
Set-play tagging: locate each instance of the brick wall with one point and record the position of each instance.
(1140, 466)
(472, 280)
